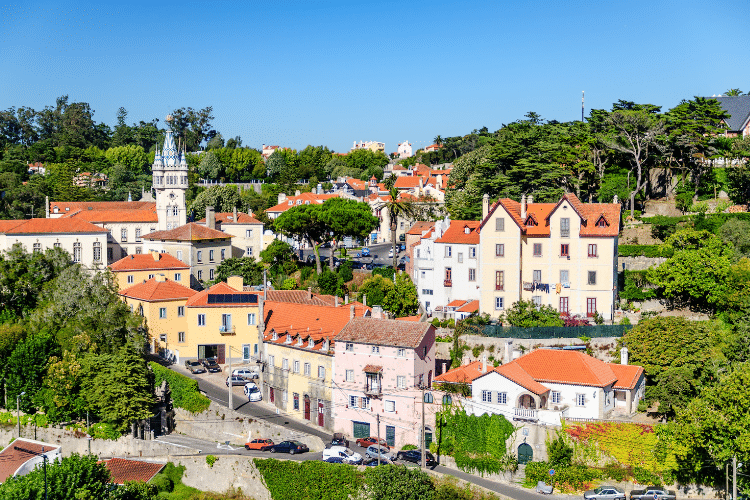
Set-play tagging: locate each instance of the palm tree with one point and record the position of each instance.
(438, 140)
(733, 92)
(396, 209)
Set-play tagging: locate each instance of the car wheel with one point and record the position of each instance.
(273, 450)
(291, 452)
(247, 447)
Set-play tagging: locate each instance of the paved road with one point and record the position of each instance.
(379, 250)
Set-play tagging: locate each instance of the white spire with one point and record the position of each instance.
(169, 151)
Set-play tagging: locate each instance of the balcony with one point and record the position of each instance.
(527, 414)
(373, 390)
(448, 283)
(227, 330)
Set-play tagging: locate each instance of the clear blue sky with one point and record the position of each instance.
(294, 73)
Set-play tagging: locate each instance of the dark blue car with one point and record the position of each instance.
(290, 447)
(416, 457)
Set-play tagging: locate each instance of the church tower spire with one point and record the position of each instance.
(170, 179)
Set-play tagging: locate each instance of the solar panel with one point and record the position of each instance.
(232, 298)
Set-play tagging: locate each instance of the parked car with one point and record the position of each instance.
(245, 373)
(194, 367)
(259, 444)
(211, 365)
(401, 237)
(390, 253)
(543, 488)
(252, 392)
(401, 266)
(339, 440)
(652, 493)
(385, 453)
(290, 447)
(345, 453)
(605, 493)
(369, 441)
(234, 380)
(365, 252)
(335, 460)
(373, 462)
(416, 457)
(402, 247)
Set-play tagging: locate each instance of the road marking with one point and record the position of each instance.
(175, 444)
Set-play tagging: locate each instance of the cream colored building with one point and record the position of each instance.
(560, 254)
(246, 231)
(137, 268)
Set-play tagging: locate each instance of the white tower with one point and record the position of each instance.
(170, 172)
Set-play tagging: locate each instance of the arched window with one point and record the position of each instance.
(428, 397)
(447, 400)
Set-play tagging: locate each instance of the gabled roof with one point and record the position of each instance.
(419, 227)
(155, 291)
(303, 198)
(301, 297)
(147, 262)
(627, 375)
(124, 469)
(455, 303)
(70, 206)
(201, 299)
(464, 374)
(386, 332)
(11, 458)
(189, 232)
(288, 315)
(53, 226)
(470, 307)
(6, 225)
(514, 372)
(228, 218)
(415, 318)
(738, 107)
(456, 233)
(610, 212)
(408, 182)
(114, 215)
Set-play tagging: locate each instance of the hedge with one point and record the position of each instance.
(643, 250)
(185, 393)
(576, 476)
(309, 480)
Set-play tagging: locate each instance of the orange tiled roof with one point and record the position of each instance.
(469, 307)
(419, 227)
(6, 225)
(410, 318)
(301, 297)
(385, 332)
(147, 262)
(627, 375)
(456, 303)
(464, 374)
(228, 218)
(114, 215)
(611, 214)
(70, 206)
(567, 367)
(372, 369)
(11, 458)
(311, 197)
(539, 213)
(456, 233)
(408, 182)
(53, 226)
(123, 469)
(189, 232)
(307, 316)
(154, 291)
(513, 371)
(200, 299)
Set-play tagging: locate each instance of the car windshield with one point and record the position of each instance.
(599, 489)
(252, 389)
(349, 452)
(194, 363)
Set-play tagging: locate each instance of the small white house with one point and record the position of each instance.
(23, 455)
(548, 385)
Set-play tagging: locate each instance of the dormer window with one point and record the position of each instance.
(602, 222)
(467, 230)
(299, 202)
(530, 221)
(325, 345)
(288, 339)
(275, 336)
(311, 343)
(291, 203)
(307, 203)
(299, 341)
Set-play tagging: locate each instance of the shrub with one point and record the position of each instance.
(385, 272)
(163, 483)
(104, 431)
(185, 393)
(614, 471)
(286, 479)
(644, 250)
(289, 284)
(211, 460)
(559, 453)
(305, 273)
(345, 271)
(644, 476)
(408, 447)
(477, 350)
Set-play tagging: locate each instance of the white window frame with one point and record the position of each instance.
(349, 375)
(201, 320)
(321, 372)
(580, 399)
(502, 398)
(556, 397)
(499, 303)
(180, 311)
(486, 396)
(307, 369)
(181, 337)
(296, 366)
(401, 381)
(250, 319)
(500, 224)
(390, 406)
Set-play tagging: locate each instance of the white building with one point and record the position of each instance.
(404, 150)
(170, 181)
(446, 264)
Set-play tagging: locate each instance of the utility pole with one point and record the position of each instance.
(229, 379)
(734, 477)
(726, 489)
(424, 445)
(377, 417)
(582, 95)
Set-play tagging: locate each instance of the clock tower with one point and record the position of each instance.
(170, 181)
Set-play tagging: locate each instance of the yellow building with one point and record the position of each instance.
(298, 345)
(222, 320)
(161, 302)
(137, 268)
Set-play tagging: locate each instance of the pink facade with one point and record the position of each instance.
(383, 378)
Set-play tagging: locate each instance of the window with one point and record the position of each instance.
(284, 364)
(199, 255)
(564, 305)
(200, 275)
(537, 274)
(564, 276)
(500, 250)
(502, 398)
(76, 252)
(601, 222)
(401, 352)
(500, 224)
(110, 253)
(448, 273)
(321, 372)
(222, 254)
(295, 401)
(251, 318)
(296, 366)
(472, 253)
(499, 280)
(306, 367)
(349, 347)
(537, 300)
(592, 278)
(460, 256)
(364, 403)
(590, 307)
(537, 249)
(271, 360)
(448, 251)
(353, 401)
(180, 311)
(556, 397)
(178, 276)
(401, 382)
(376, 349)
(138, 250)
(123, 234)
(472, 274)
(97, 251)
(248, 233)
(179, 253)
(486, 396)
(210, 255)
(201, 320)
(59, 245)
(162, 313)
(138, 235)
(424, 351)
(499, 303)
(564, 227)
(174, 208)
(592, 250)
(163, 337)
(565, 250)
(425, 291)
(350, 375)
(211, 274)
(181, 337)
(130, 279)
(150, 276)
(580, 400)
(390, 406)
(249, 251)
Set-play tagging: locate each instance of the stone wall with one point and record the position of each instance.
(639, 263)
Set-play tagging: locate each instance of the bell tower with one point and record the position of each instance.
(170, 181)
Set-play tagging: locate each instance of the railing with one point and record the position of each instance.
(448, 283)
(226, 330)
(525, 414)
(372, 390)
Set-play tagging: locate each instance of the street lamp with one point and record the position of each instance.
(18, 411)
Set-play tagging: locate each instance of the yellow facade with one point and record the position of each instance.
(235, 327)
(126, 279)
(166, 321)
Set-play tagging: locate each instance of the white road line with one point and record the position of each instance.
(175, 444)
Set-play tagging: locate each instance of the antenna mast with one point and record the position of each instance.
(582, 96)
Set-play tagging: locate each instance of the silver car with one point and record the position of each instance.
(373, 452)
(604, 493)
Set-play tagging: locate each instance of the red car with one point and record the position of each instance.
(259, 444)
(369, 441)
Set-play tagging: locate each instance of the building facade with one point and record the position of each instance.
(246, 232)
(170, 181)
(137, 268)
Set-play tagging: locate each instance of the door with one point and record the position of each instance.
(321, 417)
(245, 352)
(360, 430)
(563, 304)
(221, 354)
(307, 407)
(270, 394)
(390, 435)
(590, 307)
(525, 454)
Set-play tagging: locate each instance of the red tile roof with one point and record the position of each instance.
(54, 226)
(70, 206)
(228, 218)
(155, 291)
(189, 232)
(410, 318)
(302, 297)
(200, 299)
(512, 371)
(419, 227)
(372, 369)
(385, 332)
(304, 197)
(464, 374)
(286, 315)
(147, 262)
(11, 458)
(627, 375)
(456, 303)
(6, 225)
(114, 215)
(469, 307)
(408, 182)
(456, 233)
(123, 469)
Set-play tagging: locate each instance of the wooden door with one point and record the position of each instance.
(307, 407)
(221, 354)
(321, 416)
(270, 394)
(525, 453)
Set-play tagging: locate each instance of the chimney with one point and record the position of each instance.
(523, 207)
(210, 218)
(364, 300)
(309, 293)
(377, 312)
(46, 206)
(336, 301)
(624, 355)
(297, 192)
(529, 200)
(236, 283)
(484, 363)
(615, 200)
(281, 197)
(160, 278)
(235, 215)
(351, 312)
(445, 367)
(485, 205)
(508, 351)
(346, 299)
(156, 255)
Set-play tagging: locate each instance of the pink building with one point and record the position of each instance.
(379, 367)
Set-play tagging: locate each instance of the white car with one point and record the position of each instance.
(252, 392)
(245, 373)
(390, 253)
(345, 453)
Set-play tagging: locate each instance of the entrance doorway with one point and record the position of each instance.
(525, 453)
(307, 407)
(321, 417)
(217, 351)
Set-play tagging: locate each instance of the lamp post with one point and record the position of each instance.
(18, 411)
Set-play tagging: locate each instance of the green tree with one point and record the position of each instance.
(733, 92)
(402, 299)
(396, 208)
(390, 482)
(135, 490)
(305, 222)
(526, 314)
(280, 257)
(251, 271)
(132, 156)
(222, 198)
(559, 453)
(27, 367)
(347, 218)
(375, 290)
(737, 232)
(210, 167)
(23, 274)
(192, 126)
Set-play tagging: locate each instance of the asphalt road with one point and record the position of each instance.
(214, 387)
(379, 250)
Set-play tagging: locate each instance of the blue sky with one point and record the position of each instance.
(294, 73)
